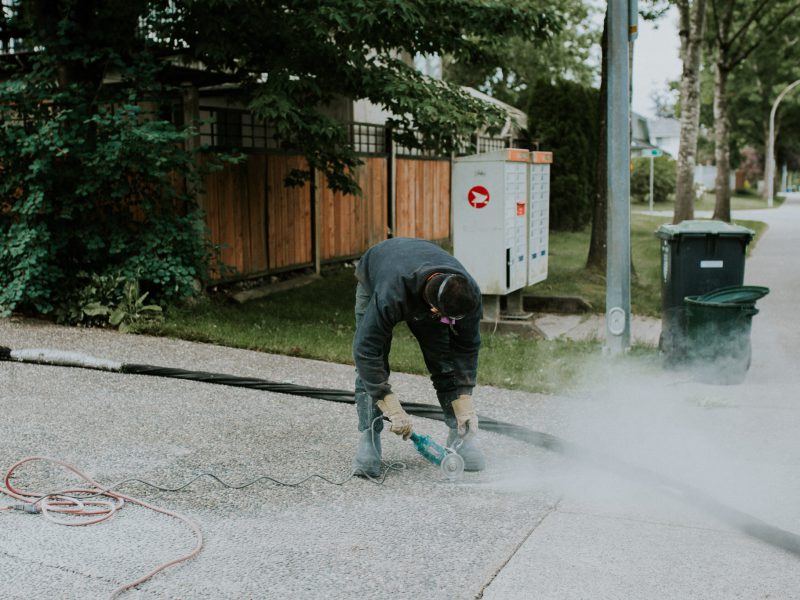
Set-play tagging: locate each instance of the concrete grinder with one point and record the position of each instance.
(451, 463)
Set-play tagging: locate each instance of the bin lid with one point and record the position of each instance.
(669, 231)
(697, 310)
(736, 294)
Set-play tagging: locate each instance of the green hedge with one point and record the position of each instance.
(563, 118)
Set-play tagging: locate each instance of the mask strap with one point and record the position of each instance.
(427, 291)
(441, 288)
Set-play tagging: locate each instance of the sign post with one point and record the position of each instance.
(653, 153)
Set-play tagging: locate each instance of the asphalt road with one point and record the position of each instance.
(535, 524)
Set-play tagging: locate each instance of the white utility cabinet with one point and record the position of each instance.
(539, 216)
(501, 206)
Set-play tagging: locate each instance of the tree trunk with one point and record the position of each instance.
(597, 258)
(722, 152)
(692, 25)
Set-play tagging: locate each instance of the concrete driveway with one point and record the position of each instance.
(535, 524)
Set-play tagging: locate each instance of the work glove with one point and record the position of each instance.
(400, 420)
(466, 417)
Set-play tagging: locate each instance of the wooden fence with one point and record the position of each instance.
(266, 227)
(351, 224)
(261, 225)
(422, 201)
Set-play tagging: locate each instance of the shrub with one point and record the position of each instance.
(664, 179)
(747, 191)
(94, 187)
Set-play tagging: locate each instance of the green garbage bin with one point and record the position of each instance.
(696, 257)
(718, 333)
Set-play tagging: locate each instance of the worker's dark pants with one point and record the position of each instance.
(434, 341)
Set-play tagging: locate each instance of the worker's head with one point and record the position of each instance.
(450, 296)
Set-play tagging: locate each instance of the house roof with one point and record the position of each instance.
(665, 128)
(518, 115)
(175, 72)
(640, 132)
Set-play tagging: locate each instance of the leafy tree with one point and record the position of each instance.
(520, 62)
(737, 29)
(87, 184)
(666, 103)
(692, 25)
(787, 147)
(756, 84)
(752, 89)
(597, 256)
(294, 57)
(92, 170)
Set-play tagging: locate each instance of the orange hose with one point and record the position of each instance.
(94, 510)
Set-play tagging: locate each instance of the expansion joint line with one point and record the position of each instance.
(516, 549)
(62, 568)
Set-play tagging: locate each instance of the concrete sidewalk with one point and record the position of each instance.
(644, 330)
(535, 524)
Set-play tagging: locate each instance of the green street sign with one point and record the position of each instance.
(654, 152)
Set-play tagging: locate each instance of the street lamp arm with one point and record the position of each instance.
(770, 158)
(785, 91)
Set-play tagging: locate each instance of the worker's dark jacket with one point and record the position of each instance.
(394, 273)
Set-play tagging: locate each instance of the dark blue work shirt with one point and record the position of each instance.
(394, 273)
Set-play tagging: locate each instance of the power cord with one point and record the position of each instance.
(393, 466)
(94, 504)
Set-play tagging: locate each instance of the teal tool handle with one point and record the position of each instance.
(428, 448)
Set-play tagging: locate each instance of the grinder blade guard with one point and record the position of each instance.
(451, 463)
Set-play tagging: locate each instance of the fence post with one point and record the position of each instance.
(391, 189)
(316, 219)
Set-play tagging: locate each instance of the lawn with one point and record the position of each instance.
(316, 321)
(706, 203)
(568, 276)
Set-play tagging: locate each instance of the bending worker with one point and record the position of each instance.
(411, 280)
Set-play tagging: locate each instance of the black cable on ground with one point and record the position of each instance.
(745, 523)
(244, 382)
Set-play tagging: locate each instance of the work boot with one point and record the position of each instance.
(367, 461)
(469, 451)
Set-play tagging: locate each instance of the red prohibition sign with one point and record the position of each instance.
(478, 196)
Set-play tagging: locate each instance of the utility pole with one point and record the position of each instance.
(770, 166)
(621, 25)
